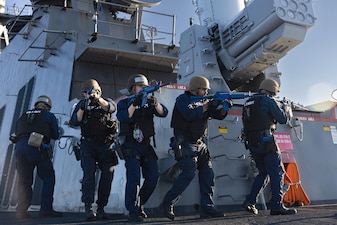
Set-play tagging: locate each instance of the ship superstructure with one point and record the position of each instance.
(66, 42)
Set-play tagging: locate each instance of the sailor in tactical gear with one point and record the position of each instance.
(39, 124)
(93, 114)
(136, 128)
(190, 128)
(260, 115)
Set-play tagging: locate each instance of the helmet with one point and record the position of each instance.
(45, 99)
(199, 82)
(270, 85)
(90, 83)
(137, 79)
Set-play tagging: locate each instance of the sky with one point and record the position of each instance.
(309, 71)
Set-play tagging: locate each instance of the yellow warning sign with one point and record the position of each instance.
(326, 128)
(223, 130)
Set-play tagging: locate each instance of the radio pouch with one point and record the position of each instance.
(35, 139)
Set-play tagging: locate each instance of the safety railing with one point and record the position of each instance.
(139, 15)
(163, 30)
(15, 10)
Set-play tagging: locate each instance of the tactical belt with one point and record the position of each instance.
(21, 136)
(97, 140)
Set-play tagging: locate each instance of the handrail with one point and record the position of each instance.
(16, 10)
(138, 25)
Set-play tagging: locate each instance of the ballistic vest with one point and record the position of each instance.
(191, 130)
(252, 118)
(34, 121)
(97, 123)
(142, 119)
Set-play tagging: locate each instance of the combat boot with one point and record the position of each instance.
(211, 213)
(167, 211)
(142, 212)
(102, 215)
(250, 208)
(283, 211)
(135, 217)
(23, 215)
(90, 214)
(50, 213)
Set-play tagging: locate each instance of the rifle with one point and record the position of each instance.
(287, 105)
(220, 96)
(87, 94)
(145, 91)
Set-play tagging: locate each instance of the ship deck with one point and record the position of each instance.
(317, 214)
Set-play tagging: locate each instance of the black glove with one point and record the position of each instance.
(94, 98)
(214, 103)
(153, 101)
(137, 101)
(13, 138)
(82, 104)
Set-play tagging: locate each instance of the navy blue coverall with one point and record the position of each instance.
(29, 157)
(139, 155)
(96, 149)
(267, 162)
(190, 125)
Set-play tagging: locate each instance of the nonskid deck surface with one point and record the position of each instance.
(322, 214)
